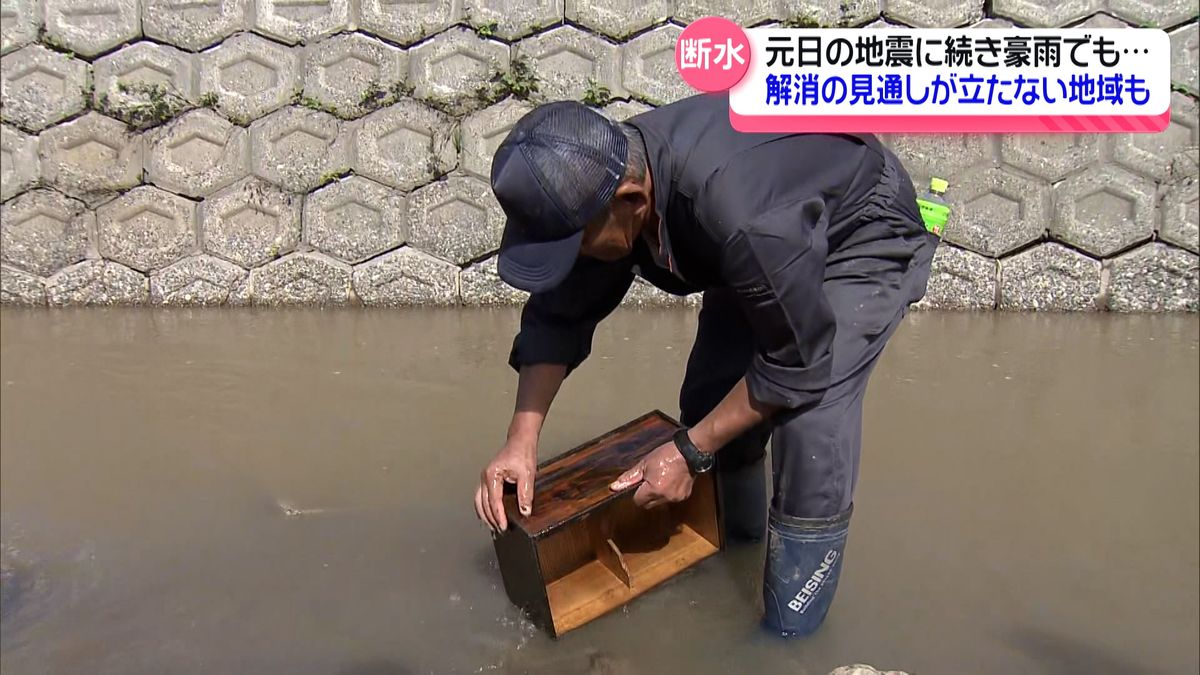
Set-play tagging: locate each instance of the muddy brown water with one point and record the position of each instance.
(290, 492)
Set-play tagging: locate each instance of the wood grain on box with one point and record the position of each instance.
(586, 550)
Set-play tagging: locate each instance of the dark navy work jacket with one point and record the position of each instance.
(758, 213)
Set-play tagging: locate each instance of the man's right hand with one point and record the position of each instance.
(515, 463)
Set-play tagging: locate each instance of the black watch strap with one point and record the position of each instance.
(697, 461)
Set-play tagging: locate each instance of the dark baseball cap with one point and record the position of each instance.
(555, 171)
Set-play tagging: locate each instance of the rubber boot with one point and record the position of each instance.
(743, 495)
(804, 562)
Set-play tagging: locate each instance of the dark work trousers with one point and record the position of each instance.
(870, 282)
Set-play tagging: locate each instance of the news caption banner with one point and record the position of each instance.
(950, 80)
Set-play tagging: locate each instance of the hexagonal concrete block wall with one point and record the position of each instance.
(97, 282)
(457, 219)
(250, 223)
(454, 65)
(196, 281)
(1154, 278)
(943, 14)
(514, 19)
(1104, 210)
(1049, 277)
(296, 147)
(294, 21)
(406, 276)
(194, 24)
(618, 18)
(197, 154)
(572, 64)
(355, 219)
(19, 27)
(249, 76)
(350, 74)
(483, 132)
(146, 228)
(998, 211)
(92, 27)
(409, 21)
(91, 157)
(39, 87)
(1040, 13)
(404, 145)
(301, 279)
(41, 231)
(19, 168)
(649, 66)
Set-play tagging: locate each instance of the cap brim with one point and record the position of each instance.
(538, 266)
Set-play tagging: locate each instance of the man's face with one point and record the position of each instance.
(611, 236)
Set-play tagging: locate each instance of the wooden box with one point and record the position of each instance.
(586, 550)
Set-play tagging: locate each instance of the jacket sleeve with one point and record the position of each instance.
(776, 265)
(557, 325)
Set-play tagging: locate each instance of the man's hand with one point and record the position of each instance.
(664, 476)
(515, 463)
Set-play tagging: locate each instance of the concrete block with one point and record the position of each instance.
(20, 23)
(250, 222)
(194, 24)
(91, 157)
(197, 154)
(617, 18)
(841, 14)
(741, 12)
(1154, 13)
(92, 27)
(146, 228)
(97, 282)
(1044, 13)
(355, 219)
(481, 286)
(960, 280)
(301, 279)
(623, 110)
(1185, 57)
(1049, 277)
(451, 67)
(295, 147)
(1103, 21)
(406, 277)
(569, 62)
(938, 14)
(649, 71)
(19, 169)
(644, 295)
(457, 219)
(996, 211)
(1104, 210)
(1181, 213)
(405, 145)
(348, 73)
(144, 84)
(250, 76)
(513, 19)
(19, 288)
(39, 87)
(196, 281)
(293, 21)
(1154, 278)
(41, 231)
(409, 21)
(945, 156)
(1154, 155)
(1050, 156)
(483, 132)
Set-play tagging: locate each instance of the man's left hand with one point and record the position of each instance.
(664, 476)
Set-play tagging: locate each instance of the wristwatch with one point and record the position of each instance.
(698, 462)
